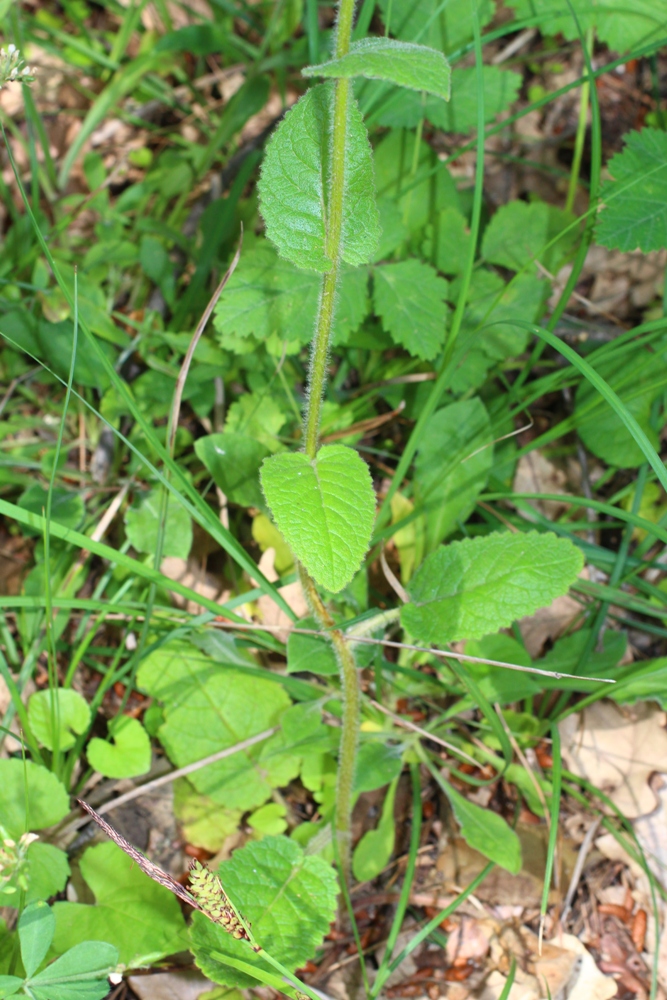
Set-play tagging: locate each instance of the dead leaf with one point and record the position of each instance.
(536, 474)
(548, 624)
(586, 981)
(184, 984)
(617, 751)
(269, 611)
(469, 941)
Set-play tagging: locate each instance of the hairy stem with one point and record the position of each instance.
(316, 385)
(350, 730)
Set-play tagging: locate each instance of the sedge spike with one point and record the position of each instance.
(207, 889)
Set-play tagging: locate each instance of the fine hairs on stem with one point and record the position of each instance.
(316, 385)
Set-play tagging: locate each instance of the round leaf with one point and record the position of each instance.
(128, 755)
(142, 523)
(64, 708)
(47, 801)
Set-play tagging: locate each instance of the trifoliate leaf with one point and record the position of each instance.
(403, 63)
(32, 797)
(637, 381)
(139, 917)
(404, 109)
(520, 233)
(325, 508)
(467, 589)
(219, 708)
(410, 299)
(445, 26)
(295, 183)
(63, 711)
(289, 899)
(452, 466)
(10, 986)
(80, 973)
(375, 848)
(269, 297)
(36, 927)
(635, 213)
(142, 525)
(234, 461)
(486, 831)
(621, 27)
(128, 755)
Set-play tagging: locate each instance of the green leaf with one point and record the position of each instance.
(410, 299)
(496, 684)
(79, 974)
(377, 765)
(638, 380)
(324, 508)
(520, 231)
(418, 191)
(234, 461)
(452, 466)
(310, 653)
(445, 26)
(268, 820)
(205, 823)
(140, 918)
(288, 897)
(257, 415)
(295, 183)
(128, 755)
(270, 299)
(635, 216)
(9, 986)
(375, 848)
(142, 524)
(567, 654)
(467, 589)
(621, 26)
(404, 109)
(36, 928)
(66, 507)
(447, 241)
(403, 63)
(46, 872)
(486, 831)
(32, 797)
(646, 682)
(215, 707)
(67, 708)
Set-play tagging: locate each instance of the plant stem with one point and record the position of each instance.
(581, 134)
(350, 729)
(316, 384)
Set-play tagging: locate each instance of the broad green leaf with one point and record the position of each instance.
(310, 653)
(410, 299)
(635, 200)
(133, 913)
(257, 415)
(375, 848)
(645, 682)
(486, 831)
(452, 466)
(404, 109)
(417, 67)
(638, 380)
(79, 974)
(288, 897)
(621, 26)
(418, 191)
(46, 872)
(55, 349)
(378, 763)
(142, 524)
(36, 928)
(324, 508)
(447, 241)
(519, 232)
(234, 461)
(268, 299)
(268, 820)
(170, 671)
(9, 986)
(47, 801)
(205, 823)
(496, 684)
(66, 507)
(566, 657)
(66, 709)
(219, 708)
(446, 26)
(295, 181)
(467, 589)
(128, 755)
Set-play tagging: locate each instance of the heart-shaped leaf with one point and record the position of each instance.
(128, 755)
(325, 508)
(63, 710)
